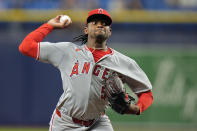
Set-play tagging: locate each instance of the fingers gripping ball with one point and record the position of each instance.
(63, 18)
(119, 100)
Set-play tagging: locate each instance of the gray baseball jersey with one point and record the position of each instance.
(83, 97)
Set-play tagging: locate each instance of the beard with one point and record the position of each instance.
(101, 37)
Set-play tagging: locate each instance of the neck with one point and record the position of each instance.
(97, 45)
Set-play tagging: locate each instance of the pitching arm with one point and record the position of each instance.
(30, 44)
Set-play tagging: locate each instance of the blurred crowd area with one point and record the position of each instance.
(150, 24)
(106, 4)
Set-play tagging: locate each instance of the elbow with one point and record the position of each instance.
(145, 100)
(20, 48)
(149, 96)
(28, 48)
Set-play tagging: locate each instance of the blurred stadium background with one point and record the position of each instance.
(161, 35)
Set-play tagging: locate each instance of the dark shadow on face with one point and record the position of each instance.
(100, 38)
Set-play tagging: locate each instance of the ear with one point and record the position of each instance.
(110, 31)
(85, 30)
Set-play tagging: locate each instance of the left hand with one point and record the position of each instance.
(119, 100)
(133, 109)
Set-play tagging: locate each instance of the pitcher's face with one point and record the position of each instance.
(98, 29)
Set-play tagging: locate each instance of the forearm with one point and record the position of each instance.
(30, 44)
(145, 100)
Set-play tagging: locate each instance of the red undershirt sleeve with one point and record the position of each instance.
(30, 45)
(145, 100)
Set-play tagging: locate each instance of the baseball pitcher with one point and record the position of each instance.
(93, 75)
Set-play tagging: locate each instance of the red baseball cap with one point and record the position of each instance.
(99, 13)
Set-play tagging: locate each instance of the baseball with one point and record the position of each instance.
(65, 17)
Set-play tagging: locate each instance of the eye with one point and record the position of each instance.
(94, 22)
(104, 23)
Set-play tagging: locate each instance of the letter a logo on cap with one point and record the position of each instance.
(100, 11)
